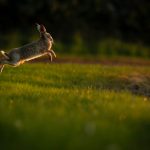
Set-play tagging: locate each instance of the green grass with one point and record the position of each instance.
(72, 106)
(107, 47)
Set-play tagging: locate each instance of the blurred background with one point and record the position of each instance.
(80, 27)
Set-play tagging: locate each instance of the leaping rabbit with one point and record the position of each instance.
(41, 47)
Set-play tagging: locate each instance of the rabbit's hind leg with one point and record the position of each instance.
(1, 68)
(14, 60)
(12, 63)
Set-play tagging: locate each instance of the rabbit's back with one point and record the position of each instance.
(32, 50)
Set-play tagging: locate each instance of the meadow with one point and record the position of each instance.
(75, 106)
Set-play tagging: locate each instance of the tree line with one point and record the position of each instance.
(93, 19)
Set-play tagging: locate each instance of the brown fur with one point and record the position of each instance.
(41, 47)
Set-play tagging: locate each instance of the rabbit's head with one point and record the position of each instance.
(43, 32)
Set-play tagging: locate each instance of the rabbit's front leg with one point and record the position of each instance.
(51, 51)
(50, 56)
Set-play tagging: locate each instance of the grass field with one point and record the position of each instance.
(75, 107)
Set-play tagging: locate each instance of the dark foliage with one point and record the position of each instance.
(94, 19)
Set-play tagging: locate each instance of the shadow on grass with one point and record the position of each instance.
(138, 85)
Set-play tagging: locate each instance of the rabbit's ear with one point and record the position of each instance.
(38, 27)
(41, 28)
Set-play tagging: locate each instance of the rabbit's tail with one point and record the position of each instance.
(6, 55)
